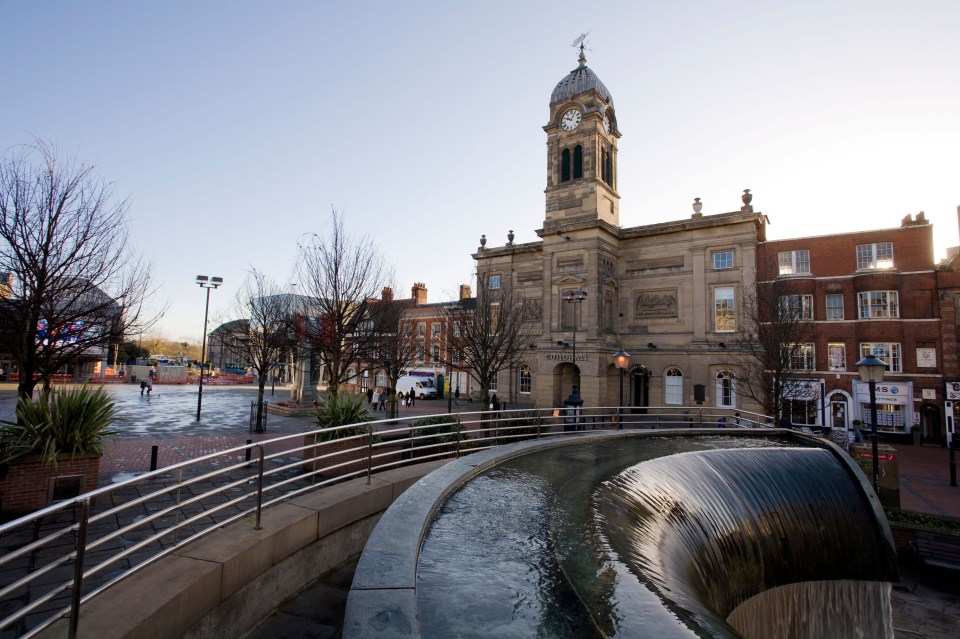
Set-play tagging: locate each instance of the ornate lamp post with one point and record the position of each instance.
(621, 360)
(574, 297)
(871, 371)
(207, 283)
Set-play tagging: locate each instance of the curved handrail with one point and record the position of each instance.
(103, 536)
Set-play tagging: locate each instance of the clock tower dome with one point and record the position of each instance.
(582, 139)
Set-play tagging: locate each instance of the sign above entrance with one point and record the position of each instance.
(563, 357)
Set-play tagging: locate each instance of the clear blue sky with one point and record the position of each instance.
(234, 127)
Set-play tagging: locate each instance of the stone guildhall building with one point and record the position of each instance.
(668, 293)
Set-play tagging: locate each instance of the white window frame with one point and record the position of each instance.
(673, 387)
(381, 379)
(836, 356)
(435, 330)
(436, 353)
(726, 390)
(803, 357)
(493, 384)
(421, 329)
(794, 262)
(889, 352)
(722, 260)
(796, 307)
(524, 380)
(831, 310)
(878, 305)
(878, 255)
(420, 352)
(724, 309)
(493, 282)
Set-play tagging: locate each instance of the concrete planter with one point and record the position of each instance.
(30, 484)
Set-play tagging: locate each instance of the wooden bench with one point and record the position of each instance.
(937, 550)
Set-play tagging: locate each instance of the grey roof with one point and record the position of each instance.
(578, 81)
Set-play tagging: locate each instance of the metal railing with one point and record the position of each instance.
(57, 558)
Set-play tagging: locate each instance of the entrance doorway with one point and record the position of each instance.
(838, 411)
(930, 424)
(639, 388)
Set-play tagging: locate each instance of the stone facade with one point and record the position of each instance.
(651, 290)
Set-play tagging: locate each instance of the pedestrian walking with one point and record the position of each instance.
(369, 397)
(456, 396)
(411, 396)
(383, 399)
(375, 398)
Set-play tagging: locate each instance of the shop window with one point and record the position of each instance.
(888, 352)
(724, 320)
(879, 304)
(794, 262)
(726, 390)
(877, 255)
(837, 356)
(802, 412)
(835, 306)
(673, 387)
(722, 260)
(525, 380)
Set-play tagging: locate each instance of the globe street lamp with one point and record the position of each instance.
(871, 371)
(621, 360)
(575, 297)
(207, 283)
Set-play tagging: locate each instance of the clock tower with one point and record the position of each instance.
(582, 139)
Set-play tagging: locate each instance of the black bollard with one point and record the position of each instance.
(153, 456)
(249, 450)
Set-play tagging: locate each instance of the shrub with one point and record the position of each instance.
(69, 421)
(437, 430)
(340, 410)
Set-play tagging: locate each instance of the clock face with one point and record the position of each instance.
(570, 120)
(606, 123)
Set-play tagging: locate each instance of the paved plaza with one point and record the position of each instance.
(926, 605)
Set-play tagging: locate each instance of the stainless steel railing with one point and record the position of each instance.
(57, 558)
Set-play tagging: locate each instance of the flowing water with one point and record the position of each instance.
(658, 537)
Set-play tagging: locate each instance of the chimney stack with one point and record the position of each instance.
(419, 293)
(466, 293)
(387, 294)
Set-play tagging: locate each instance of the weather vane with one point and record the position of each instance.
(580, 41)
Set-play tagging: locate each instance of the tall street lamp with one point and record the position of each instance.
(207, 283)
(621, 360)
(575, 297)
(871, 370)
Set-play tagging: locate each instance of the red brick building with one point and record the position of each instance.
(870, 292)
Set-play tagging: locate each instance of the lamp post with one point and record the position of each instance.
(621, 360)
(574, 297)
(207, 283)
(871, 371)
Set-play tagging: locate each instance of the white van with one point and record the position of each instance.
(422, 386)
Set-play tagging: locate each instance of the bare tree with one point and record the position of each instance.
(338, 274)
(74, 284)
(265, 337)
(490, 333)
(389, 343)
(776, 345)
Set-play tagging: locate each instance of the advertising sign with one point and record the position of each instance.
(887, 393)
(953, 391)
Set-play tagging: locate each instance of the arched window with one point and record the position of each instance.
(673, 386)
(525, 380)
(565, 165)
(381, 379)
(577, 162)
(726, 390)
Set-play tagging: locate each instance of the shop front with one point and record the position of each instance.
(894, 406)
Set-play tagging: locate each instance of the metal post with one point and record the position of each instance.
(203, 354)
(78, 569)
(873, 436)
(154, 451)
(620, 405)
(259, 485)
(369, 451)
